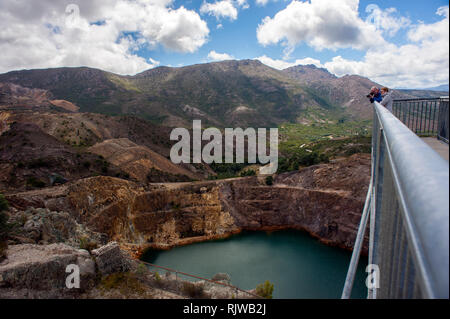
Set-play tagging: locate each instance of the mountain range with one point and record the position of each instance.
(229, 93)
(441, 88)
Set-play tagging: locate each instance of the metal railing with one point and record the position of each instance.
(420, 115)
(179, 274)
(443, 120)
(408, 208)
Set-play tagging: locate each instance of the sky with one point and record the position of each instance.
(397, 43)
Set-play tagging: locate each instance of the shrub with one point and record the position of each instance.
(87, 244)
(141, 270)
(248, 172)
(265, 290)
(125, 282)
(3, 248)
(269, 180)
(227, 170)
(4, 227)
(301, 158)
(40, 162)
(34, 182)
(3, 203)
(193, 290)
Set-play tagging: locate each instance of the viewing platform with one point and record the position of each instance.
(439, 146)
(428, 118)
(407, 203)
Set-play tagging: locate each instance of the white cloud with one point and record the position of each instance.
(242, 3)
(220, 9)
(307, 61)
(431, 32)
(106, 35)
(263, 2)
(422, 63)
(321, 24)
(223, 9)
(282, 64)
(215, 56)
(386, 20)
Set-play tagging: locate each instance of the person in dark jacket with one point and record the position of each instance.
(375, 95)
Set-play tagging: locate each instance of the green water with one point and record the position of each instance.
(297, 264)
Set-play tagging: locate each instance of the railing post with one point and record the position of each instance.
(404, 112)
(347, 291)
(443, 125)
(377, 195)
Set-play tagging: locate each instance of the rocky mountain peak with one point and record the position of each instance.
(308, 73)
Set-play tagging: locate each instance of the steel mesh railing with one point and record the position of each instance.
(408, 203)
(420, 115)
(443, 120)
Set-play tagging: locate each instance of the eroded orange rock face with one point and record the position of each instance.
(325, 200)
(66, 105)
(137, 160)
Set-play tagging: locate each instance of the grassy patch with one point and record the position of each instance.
(293, 136)
(127, 283)
(305, 145)
(124, 83)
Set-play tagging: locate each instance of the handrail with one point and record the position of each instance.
(421, 115)
(418, 99)
(349, 280)
(198, 277)
(409, 214)
(424, 198)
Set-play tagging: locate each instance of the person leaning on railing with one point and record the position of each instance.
(387, 100)
(374, 95)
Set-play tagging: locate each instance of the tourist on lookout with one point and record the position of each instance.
(374, 95)
(387, 98)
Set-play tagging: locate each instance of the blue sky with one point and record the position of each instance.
(396, 43)
(238, 38)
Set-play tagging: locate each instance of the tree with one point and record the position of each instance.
(265, 290)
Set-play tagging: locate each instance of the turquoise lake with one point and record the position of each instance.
(298, 265)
